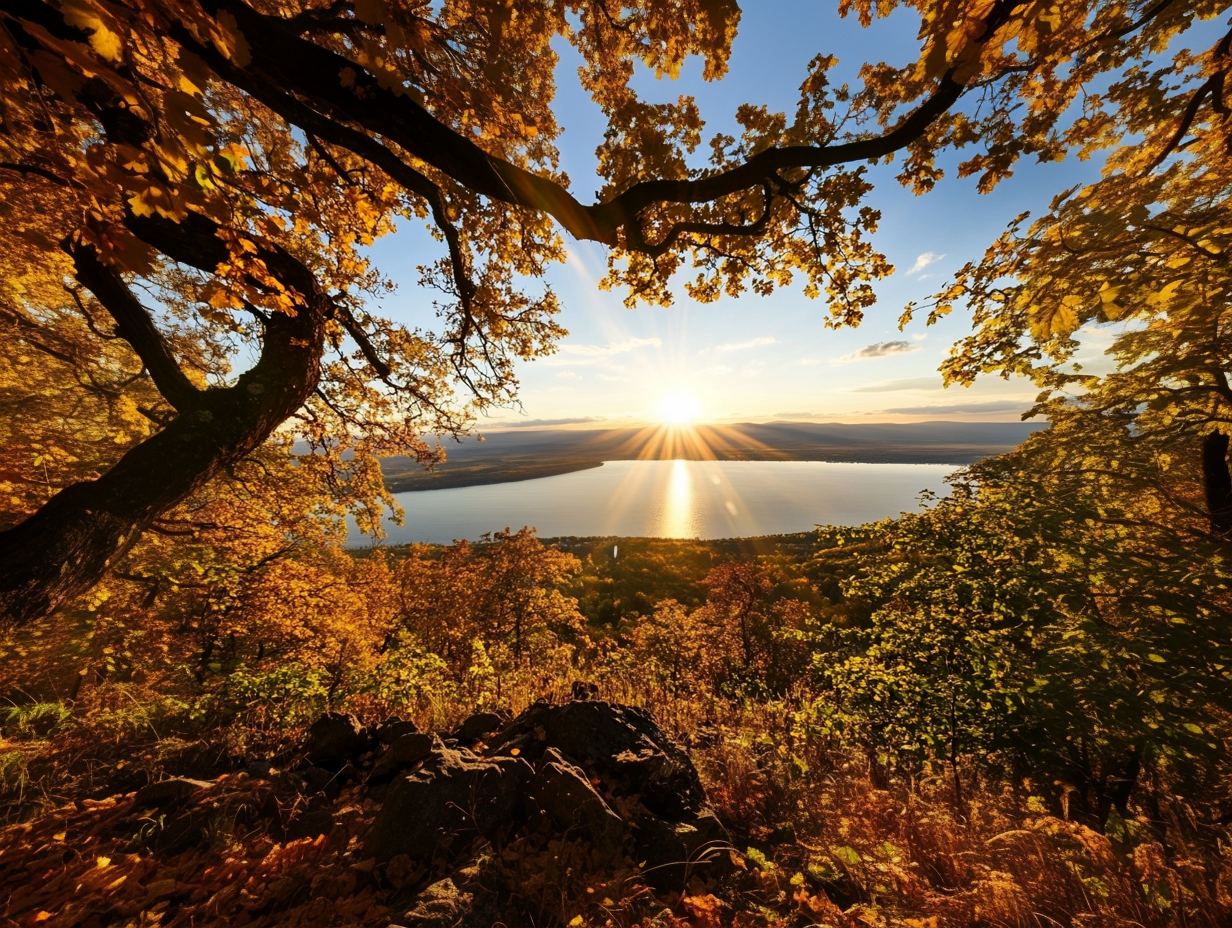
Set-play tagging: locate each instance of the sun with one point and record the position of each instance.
(677, 408)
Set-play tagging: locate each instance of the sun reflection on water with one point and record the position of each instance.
(678, 514)
(676, 497)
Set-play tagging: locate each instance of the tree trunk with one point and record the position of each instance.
(66, 547)
(1217, 481)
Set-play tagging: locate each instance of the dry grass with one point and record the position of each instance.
(829, 841)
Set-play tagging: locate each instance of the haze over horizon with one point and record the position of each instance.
(758, 358)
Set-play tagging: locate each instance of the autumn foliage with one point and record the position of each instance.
(1009, 708)
(229, 163)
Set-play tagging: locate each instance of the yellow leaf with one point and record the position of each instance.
(1165, 295)
(935, 60)
(85, 15)
(230, 41)
(1057, 321)
(1107, 296)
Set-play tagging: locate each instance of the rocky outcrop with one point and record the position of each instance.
(392, 729)
(563, 793)
(435, 813)
(478, 725)
(565, 771)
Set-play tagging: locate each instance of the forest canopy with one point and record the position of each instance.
(189, 189)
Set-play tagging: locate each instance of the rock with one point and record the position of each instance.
(393, 729)
(674, 851)
(454, 797)
(334, 739)
(478, 725)
(626, 756)
(561, 791)
(318, 779)
(621, 745)
(601, 775)
(169, 792)
(403, 754)
(260, 769)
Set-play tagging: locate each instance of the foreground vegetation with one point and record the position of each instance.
(1008, 709)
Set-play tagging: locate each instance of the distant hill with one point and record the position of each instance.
(528, 454)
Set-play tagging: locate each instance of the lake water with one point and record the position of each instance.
(674, 499)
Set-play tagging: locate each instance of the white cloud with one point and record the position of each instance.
(809, 362)
(918, 337)
(751, 343)
(588, 354)
(924, 260)
(879, 350)
(568, 375)
(545, 423)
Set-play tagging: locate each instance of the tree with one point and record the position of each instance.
(1143, 254)
(503, 591)
(230, 161)
(1051, 617)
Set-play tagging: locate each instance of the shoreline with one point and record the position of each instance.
(479, 476)
(497, 473)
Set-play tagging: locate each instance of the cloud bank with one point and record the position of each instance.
(992, 406)
(896, 386)
(544, 423)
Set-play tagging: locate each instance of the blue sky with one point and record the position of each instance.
(762, 357)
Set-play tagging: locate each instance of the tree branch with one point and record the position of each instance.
(280, 58)
(356, 331)
(135, 326)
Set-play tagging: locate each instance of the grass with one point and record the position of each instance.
(826, 838)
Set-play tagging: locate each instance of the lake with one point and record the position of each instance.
(673, 499)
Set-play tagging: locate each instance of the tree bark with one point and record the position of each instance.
(1217, 482)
